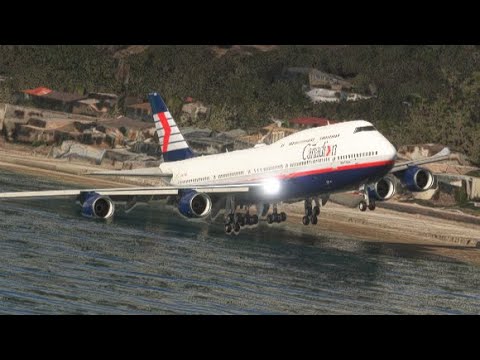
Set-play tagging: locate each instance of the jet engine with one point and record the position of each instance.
(193, 204)
(97, 206)
(382, 190)
(417, 179)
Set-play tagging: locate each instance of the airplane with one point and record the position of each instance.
(307, 166)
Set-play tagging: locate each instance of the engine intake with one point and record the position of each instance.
(417, 179)
(193, 204)
(97, 206)
(382, 190)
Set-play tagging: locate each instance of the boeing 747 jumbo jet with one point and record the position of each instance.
(306, 166)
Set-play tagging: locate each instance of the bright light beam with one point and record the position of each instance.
(271, 186)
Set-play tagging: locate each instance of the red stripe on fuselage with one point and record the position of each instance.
(318, 171)
(338, 168)
(167, 129)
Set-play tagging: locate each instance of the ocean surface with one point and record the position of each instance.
(151, 261)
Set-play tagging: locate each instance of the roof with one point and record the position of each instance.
(144, 106)
(89, 101)
(312, 121)
(40, 91)
(103, 95)
(55, 95)
(64, 97)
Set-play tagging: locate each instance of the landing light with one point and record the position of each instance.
(271, 186)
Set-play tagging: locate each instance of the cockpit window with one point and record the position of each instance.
(364, 128)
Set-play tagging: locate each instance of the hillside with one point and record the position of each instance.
(423, 93)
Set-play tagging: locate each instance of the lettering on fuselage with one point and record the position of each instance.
(312, 151)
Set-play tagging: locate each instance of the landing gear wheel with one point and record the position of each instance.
(228, 229)
(270, 219)
(314, 220)
(278, 218)
(372, 206)
(316, 210)
(254, 219)
(283, 216)
(241, 220)
(362, 206)
(236, 228)
(306, 220)
(229, 219)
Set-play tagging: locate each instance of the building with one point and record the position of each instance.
(141, 111)
(267, 135)
(309, 122)
(90, 107)
(54, 100)
(322, 79)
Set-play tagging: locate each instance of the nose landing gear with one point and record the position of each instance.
(367, 202)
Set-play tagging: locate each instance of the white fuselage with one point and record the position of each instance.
(328, 149)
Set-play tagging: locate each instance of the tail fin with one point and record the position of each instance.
(174, 146)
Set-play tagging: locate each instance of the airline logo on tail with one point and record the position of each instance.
(173, 145)
(163, 127)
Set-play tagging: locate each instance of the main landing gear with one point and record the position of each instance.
(276, 217)
(311, 213)
(367, 202)
(235, 221)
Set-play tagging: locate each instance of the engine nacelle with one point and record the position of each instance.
(193, 204)
(417, 179)
(97, 206)
(382, 190)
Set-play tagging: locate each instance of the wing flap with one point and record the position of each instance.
(135, 172)
(442, 155)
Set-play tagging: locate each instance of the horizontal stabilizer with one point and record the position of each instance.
(135, 172)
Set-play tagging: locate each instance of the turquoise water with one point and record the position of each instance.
(53, 261)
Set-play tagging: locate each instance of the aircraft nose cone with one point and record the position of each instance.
(391, 151)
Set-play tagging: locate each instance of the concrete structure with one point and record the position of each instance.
(309, 122)
(141, 111)
(470, 184)
(50, 99)
(320, 78)
(267, 135)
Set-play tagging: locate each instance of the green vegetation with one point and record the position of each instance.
(423, 93)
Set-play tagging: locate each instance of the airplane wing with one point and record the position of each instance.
(132, 191)
(155, 171)
(442, 155)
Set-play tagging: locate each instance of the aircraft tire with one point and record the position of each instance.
(270, 219)
(362, 206)
(305, 220)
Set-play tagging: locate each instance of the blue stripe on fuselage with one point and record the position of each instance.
(315, 184)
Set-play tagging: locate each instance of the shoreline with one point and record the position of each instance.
(405, 227)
